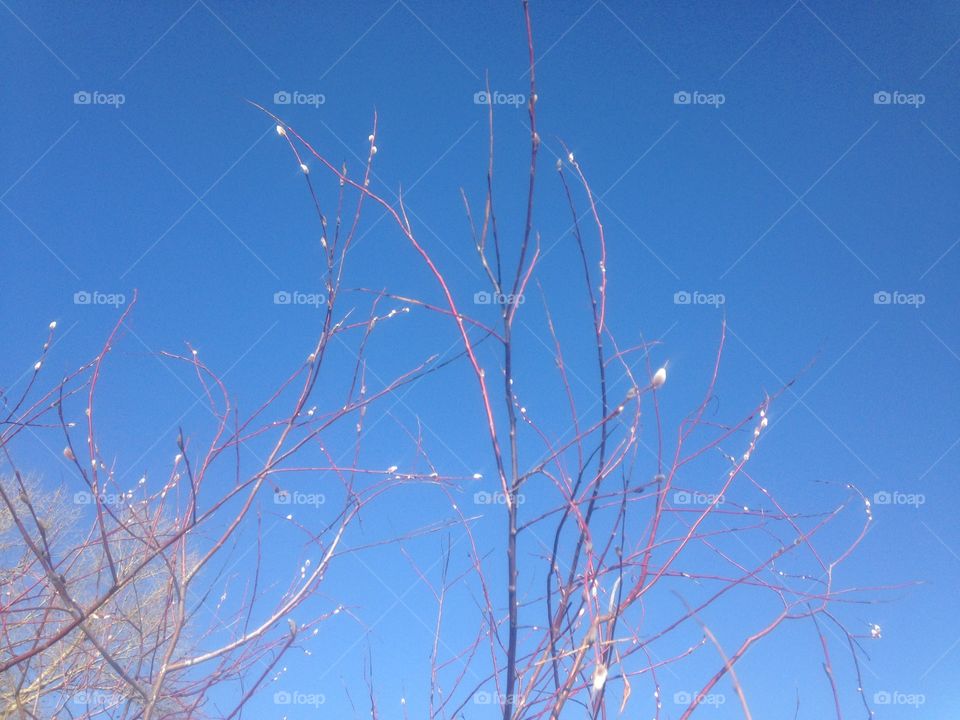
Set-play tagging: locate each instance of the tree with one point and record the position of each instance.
(631, 552)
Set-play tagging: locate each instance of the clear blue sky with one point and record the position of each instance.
(799, 198)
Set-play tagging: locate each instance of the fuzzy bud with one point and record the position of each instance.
(659, 378)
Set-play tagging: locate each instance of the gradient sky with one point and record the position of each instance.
(798, 199)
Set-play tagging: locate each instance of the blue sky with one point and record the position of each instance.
(806, 192)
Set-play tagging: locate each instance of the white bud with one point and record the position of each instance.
(599, 678)
(304, 168)
(659, 378)
(370, 138)
(68, 454)
(53, 325)
(281, 131)
(373, 150)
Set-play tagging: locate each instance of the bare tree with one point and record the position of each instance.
(641, 538)
(120, 609)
